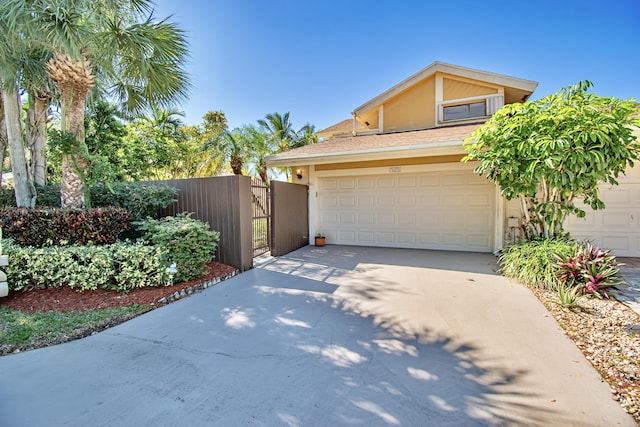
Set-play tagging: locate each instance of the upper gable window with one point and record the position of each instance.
(464, 111)
(469, 109)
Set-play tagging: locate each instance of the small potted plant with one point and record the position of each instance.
(320, 240)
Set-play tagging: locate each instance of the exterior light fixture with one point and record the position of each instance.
(299, 173)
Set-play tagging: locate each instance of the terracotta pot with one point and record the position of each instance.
(320, 241)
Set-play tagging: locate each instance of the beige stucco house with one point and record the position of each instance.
(391, 175)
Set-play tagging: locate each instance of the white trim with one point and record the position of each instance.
(313, 204)
(498, 238)
(469, 99)
(405, 151)
(434, 167)
(439, 96)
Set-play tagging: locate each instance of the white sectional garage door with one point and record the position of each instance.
(453, 210)
(617, 227)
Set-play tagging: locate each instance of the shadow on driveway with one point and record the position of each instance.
(338, 336)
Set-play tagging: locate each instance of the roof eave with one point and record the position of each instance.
(405, 151)
(500, 79)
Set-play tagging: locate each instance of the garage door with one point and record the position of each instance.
(452, 210)
(617, 227)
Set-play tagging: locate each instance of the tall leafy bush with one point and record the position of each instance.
(188, 242)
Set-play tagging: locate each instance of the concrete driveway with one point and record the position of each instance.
(323, 337)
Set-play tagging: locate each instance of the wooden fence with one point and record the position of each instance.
(225, 203)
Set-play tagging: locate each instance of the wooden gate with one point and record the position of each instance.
(289, 217)
(261, 222)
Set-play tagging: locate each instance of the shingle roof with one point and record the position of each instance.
(345, 125)
(366, 143)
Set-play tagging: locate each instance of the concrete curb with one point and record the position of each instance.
(198, 287)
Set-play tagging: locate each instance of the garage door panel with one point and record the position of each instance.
(429, 181)
(479, 220)
(366, 201)
(479, 200)
(347, 184)
(366, 183)
(617, 227)
(349, 237)
(406, 181)
(329, 184)
(407, 238)
(479, 241)
(366, 236)
(386, 182)
(454, 200)
(407, 201)
(454, 239)
(456, 179)
(366, 219)
(425, 210)
(384, 219)
(348, 201)
(385, 237)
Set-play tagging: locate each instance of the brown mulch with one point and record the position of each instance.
(67, 299)
(608, 334)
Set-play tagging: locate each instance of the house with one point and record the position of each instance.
(391, 175)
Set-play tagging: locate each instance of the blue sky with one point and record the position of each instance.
(321, 59)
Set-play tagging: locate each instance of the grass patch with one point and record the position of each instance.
(21, 330)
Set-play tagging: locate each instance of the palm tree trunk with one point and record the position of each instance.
(22, 185)
(74, 79)
(236, 164)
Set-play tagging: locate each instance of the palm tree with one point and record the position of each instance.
(305, 136)
(279, 129)
(14, 59)
(115, 44)
(231, 144)
(259, 146)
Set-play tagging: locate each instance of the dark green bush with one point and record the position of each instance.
(141, 199)
(47, 196)
(189, 243)
(121, 266)
(57, 227)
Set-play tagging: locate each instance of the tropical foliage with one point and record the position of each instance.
(116, 48)
(550, 152)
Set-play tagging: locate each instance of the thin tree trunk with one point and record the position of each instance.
(37, 137)
(21, 184)
(3, 139)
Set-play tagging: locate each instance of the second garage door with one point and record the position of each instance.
(453, 210)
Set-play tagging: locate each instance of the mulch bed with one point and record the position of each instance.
(67, 299)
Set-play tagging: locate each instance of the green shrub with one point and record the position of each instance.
(568, 297)
(534, 263)
(189, 243)
(47, 196)
(49, 227)
(141, 199)
(121, 266)
(589, 270)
